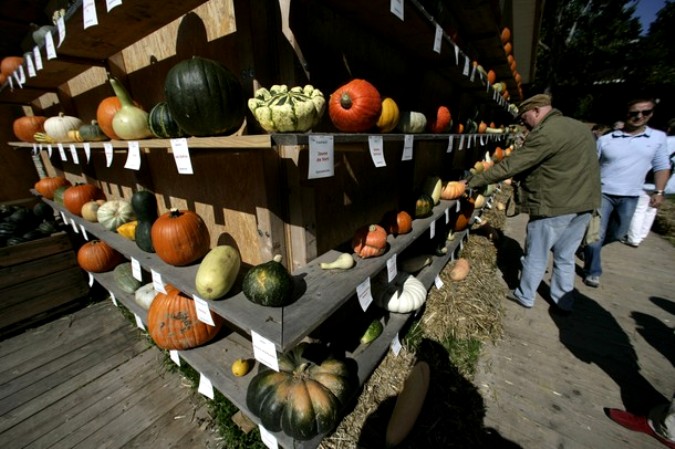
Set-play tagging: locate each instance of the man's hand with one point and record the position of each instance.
(656, 200)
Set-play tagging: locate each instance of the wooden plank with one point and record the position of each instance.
(223, 144)
(65, 406)
(13, 255)
(35, 269)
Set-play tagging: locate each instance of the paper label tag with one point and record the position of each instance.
(203, 312)
(89, 16)
(391, 268)
(451, 143)
(157, 282)
(205, 387)
(447, 215)
(112, 298)
(139, 322)
(29, 64)
(408, 140)
(376, 147)
(321, 157)
(396, 345)
(76, 229)
(438, 282)
(62, 152)
(110, 4)
(267, 438)
(432, 230)
(438, 38)
(84, 232)
(364, 294)
(91, 279)
(181, 154)
(61, 27)
(49, 151)
(396, 8)
(73, 153)
(87, 151)
(37, 56)
(173, 355)
(108, 150)
(133, 156)
(136, 269)
(49, 46)
(264, 351)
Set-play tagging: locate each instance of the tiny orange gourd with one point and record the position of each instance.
(370, 241)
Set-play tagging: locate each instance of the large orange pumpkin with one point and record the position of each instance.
(370, 241)
(105, 113)
(76, 196)
(47, 186)
(173, 322)
(9, 64)
(25, 127)
(180, 237)
(355, 107)
(397, 222)
(96, 256)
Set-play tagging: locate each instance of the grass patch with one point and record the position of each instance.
(464, 353)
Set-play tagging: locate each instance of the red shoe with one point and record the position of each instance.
(636, 423)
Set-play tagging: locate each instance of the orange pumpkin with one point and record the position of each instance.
(482, 127)
(442, 122)
(96, 256)
(461, 221)
(508, 48)
(47, 186)
(180, 237)
(397, 222)
(491, 76)
(355, 107)
(9, 64)
(173, 322)
(370, 241)
(453, 190)
(505, 35)
(498, 154)
(76, 196)
(25, 127)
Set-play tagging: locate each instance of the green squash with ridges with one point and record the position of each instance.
(269, 284)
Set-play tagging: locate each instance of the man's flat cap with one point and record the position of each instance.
(535, 101)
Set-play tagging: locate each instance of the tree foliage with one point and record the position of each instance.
(656, 60)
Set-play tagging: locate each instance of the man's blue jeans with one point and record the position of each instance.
(617, 212)
(561, 235)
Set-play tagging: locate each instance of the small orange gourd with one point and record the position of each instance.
(397, 222)
(370, 241)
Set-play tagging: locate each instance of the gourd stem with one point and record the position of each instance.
(174, 212)
(346, 101)
(121, 92)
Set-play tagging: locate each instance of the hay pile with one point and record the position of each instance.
(467, 311)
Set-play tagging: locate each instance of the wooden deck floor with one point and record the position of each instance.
(89, 380)
(546, 383)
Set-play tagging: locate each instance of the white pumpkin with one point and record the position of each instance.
(114, 213)
(433, 186)
(145, 295)
(404, 294)
(90, 210)
(57, 127)
(412, 122)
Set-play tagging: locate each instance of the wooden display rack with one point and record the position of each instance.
(252, 190)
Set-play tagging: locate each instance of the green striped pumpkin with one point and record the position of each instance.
(162, 124)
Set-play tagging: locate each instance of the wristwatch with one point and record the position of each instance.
(658, 192)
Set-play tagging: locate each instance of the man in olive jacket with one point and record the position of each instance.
(560, 182)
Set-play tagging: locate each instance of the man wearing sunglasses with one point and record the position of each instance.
(626, 155)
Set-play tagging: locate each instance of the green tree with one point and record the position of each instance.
(656, 59)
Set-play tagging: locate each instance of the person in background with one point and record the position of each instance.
(625, 156)
(599, 130)
(617, 125)
(644, 215)
(560, 181)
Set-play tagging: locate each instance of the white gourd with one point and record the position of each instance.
(112, 214)
(57, 127)
(145, 295)
(404, 294)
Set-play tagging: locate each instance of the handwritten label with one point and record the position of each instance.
(321, 154)
(376, 147)
(451, 144)
(364, 294)
(133, 156)
(91, 279)
(89, 16)
(157, 282)
(136, 269)
(37, 56)
(396, 8)
(203, 312)
(49, 46)
(29, 64)
(267, 438)
(73, 153)
(87, 151)
(110, 4)
(391, 268)
(108, 150)
(181, 155)
(432, 230)
(264, 351)
(205, 386)
(396, 345)
(61, 26)
(408, 140)
(438, 38)
(84, 232)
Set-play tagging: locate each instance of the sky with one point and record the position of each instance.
(646, 11)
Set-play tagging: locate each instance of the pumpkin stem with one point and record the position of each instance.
(346, 100)
(175, 212)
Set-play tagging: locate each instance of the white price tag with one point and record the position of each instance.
(376, 147)
(61, 26)
(62, 152)
(37, 56)
(63, 217)
(181, 154)
(76, 229)
(458, 206)
(108, 150)
(133, 156)
(438, 282)
(264, 351)
(451, 143)
(461, 142)
(29, 64)
(84, 232)
(89, 16)
(432, 230)
(408, 140)
(49, 151)
(396, 8)
(110, 4)
(22, 75)
(391, 268)
(467, 64)
(139, 322)
(136, 269)
(157, 282)
(173, 355)
(456, 48)
(438, 38)
(87, 151)
(203, 312)
(205, 387)
(91, 279)
(447, 215)
(112, 298)
(396, 345)
(267, 438)
(364, 294)
(321, 156)
(73, 153)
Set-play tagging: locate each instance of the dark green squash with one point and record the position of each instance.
(92, 132)
(8, 229)
(162, 123)
(269, 284)
(143, 236)
(48, 227)
(43, 211)
(12, 241)
(205, 98)
(144, 204)
(124, 278)
(305, 398)
(424, 206)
